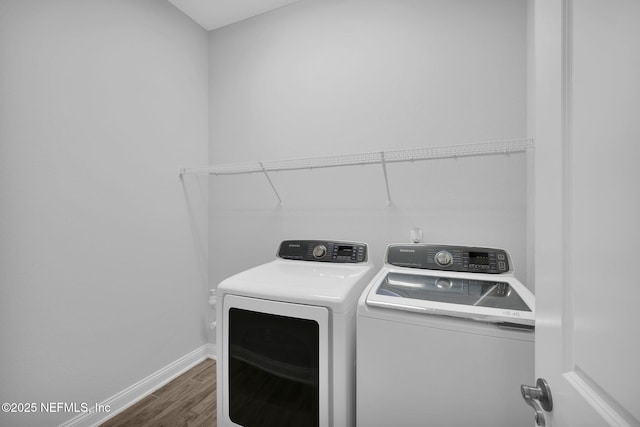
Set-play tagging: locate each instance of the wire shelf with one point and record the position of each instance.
(377, 157)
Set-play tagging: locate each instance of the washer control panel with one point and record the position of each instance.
(323, 251)
(449, 258)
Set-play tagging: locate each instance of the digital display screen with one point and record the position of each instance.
(345, 251)
(479, 258)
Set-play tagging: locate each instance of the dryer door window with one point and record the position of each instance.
(274, 368)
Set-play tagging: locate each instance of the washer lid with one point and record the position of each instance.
(481, 297)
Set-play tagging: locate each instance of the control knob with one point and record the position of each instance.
(319, 251)
(444, 259)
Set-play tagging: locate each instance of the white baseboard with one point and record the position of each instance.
(127, 397)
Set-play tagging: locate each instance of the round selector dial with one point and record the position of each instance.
(444, 259)
(319, 251)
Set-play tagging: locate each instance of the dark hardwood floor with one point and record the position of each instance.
(189, 401)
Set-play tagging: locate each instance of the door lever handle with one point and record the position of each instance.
(539, 398)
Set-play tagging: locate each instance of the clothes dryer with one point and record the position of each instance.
(286, 346)
(445, 339)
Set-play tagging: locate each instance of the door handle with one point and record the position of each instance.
(539, 398)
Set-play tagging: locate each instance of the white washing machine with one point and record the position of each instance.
(445, 339)
(286, 341)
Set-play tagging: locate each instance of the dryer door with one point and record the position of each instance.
(275, 363)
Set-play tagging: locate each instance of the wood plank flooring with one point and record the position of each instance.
(187, 401)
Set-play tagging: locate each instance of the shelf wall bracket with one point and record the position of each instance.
(266, 174)
(386, 178)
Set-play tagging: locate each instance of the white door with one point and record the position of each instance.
(587, 207)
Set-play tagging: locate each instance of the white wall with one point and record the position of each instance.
(341, 76)
(102, 250)
(531, 120)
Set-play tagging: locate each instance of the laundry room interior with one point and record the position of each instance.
(148, 153)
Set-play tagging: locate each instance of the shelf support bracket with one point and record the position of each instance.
(271, 183)
(386, 178)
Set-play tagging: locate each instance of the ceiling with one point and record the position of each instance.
(212, 14)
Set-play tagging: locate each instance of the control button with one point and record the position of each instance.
(319, 251)
(443, 259)
(501, 257)
(502, 265)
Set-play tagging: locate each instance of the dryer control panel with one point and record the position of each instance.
(323, 251)
(449, 258)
